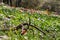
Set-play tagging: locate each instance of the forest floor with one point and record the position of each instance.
(47, 21)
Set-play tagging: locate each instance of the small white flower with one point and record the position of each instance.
(56, 29)
(26, 37)
(1, 14)
(7, 19)
(38, 18)
(43, 20)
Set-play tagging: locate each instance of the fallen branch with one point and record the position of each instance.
(23, 24)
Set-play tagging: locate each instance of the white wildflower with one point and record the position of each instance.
(1, 14)
(7, 19)
(38, 18)
(26, 37)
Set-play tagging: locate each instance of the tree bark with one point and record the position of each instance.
(18, 3)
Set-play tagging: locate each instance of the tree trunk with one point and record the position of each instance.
(18, 3)
(9, 2)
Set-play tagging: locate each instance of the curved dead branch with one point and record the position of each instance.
(23, 24)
